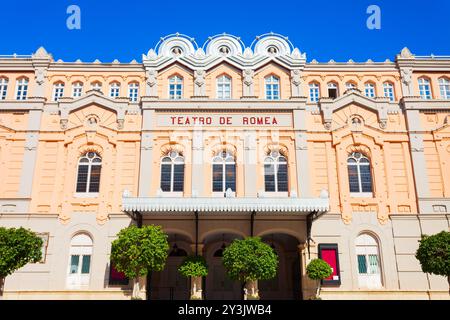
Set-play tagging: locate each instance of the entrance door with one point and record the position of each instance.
(169, 284)
(218, 285)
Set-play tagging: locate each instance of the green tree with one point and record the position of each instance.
(318, 270)
(250, 260)
(138, 251)
(434, 254)
(194, 267)
(17, 248)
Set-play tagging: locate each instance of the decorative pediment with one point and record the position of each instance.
(69, 105)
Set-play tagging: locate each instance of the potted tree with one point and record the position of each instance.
(318, 270)
(138, 251)
(194, 267)
(17, 248)
(434, 254)
(248, 261)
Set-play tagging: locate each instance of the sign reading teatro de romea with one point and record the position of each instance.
(224, 120)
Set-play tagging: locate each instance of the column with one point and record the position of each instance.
(197, 163)
(250, 163)
(301, 154)
(146, 161)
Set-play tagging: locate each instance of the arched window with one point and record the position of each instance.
(77, 89)
(369, 90)
(175, 88)
(314, 92)
(58, 91)
(424, 88)
(333, 91)
(172, 172)
(79, 260)
(224, 172)
(133, 91)
(22, 89)
(388, 89)
(114, 89)
(223, 87)
(89, 169)
(275, 172)
(350, 85)
(368, 260)
(272, 85)
(359, 174)
(96, 86)
(444, 87)
(3, 88)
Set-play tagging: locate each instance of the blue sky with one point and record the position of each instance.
(324, 29)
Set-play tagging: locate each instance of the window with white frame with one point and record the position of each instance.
(275, 172)
(333, 90)
(350, 86)
(223, 87)
(22, 89)
(133, 91)
(80, 257)
(77, 89)
(224, 172)
(359, 174)
(388, 89)
(368, 262)
(175, 88)
(424, 88)
(96, 86)
(58, 91)
(3, 88)
(314, 92)
(172, 172)
(89, 169)
(114, 90)
(444, 87)
(369, 90)
(272, 85)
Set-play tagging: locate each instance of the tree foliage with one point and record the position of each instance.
(318, 269)
(137, 251)
(18, 246)
(434, 254)
(250, 259)
(194, 266)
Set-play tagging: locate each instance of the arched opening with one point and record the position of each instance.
(218, 286)
(79, 268)
(169, 284)
(287, 283)
(368, 261)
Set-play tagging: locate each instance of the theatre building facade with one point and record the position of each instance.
(349, 162)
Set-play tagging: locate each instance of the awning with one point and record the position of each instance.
(226, 204)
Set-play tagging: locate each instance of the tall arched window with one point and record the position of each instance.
(172, 172)
(359, 174)
(275, 172)
(368, 260)
(388, 89)
(175, 88)
(77, 89)
(79, 260)
(424, 88)
(133, 91)
(89, 169)
(58, 91)
(22, 89)
(314, 92)
(114, 89)
(3, 88)
(272, 85)
(224, 172)
(223, 87)
(369, 90)
(444, 87)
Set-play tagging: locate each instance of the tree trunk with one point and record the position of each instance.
(251, 290)
(196, 288)
(2, 282)
(318, 289)
(448, 280)
(136, 288)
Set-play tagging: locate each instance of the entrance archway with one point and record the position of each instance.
(287, 283)
(218, 285)
(169, 284)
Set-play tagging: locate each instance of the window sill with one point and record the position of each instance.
(222, 194)
(169, 194)
(274, 194)
(361, 194)
(86, 195)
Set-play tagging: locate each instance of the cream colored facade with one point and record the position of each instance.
(380, 111)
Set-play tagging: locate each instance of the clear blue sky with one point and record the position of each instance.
(324, 29)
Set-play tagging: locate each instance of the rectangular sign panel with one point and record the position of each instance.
(224, 120)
